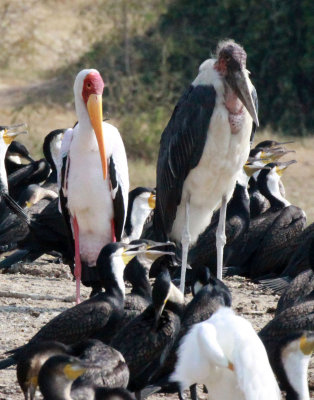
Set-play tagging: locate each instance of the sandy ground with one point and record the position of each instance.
(21, 318)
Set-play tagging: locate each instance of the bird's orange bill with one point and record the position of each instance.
(152, 201)
(94, 107)
(307, 345)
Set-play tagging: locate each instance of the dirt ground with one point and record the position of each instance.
(21, 316)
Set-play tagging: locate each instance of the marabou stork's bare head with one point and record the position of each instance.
(231, 64)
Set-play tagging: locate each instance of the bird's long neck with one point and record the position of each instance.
(53, 162)
(276, 199)
(291, 393)
(232, 101)
(85, 135)
(137, 223)
(175, 302)
(137, 214)
(240, 203)
(253, 188)
(270, 189)
(114, 283)
(138, 278)
(3, 172)
(56, 387)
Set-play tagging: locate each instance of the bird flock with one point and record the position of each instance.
(219, 209)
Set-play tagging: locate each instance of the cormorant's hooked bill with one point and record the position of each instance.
(11, 131)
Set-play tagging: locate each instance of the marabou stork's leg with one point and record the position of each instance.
(78, 265)
(221, 236)
(186, 239)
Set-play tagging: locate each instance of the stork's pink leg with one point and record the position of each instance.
(78, 265)
(113, 235)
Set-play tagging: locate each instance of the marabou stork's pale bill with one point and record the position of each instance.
(93, 178)
(203, 148)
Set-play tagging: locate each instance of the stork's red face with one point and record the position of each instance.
(93, 84)
(93, 87)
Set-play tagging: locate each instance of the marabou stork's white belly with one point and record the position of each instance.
(89, 199)
(215, 175)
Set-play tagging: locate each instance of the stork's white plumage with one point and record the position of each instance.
(203, 148)
(225, 354)
(94, 174)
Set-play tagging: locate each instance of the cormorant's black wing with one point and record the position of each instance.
(279, 243)
(181, 148)
(34, 172)
(119, 205)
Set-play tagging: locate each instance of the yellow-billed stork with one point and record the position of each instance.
(93, 179)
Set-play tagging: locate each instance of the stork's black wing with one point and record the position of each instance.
(254, 127)
(119, 205)
(181, 148)
(63, 203)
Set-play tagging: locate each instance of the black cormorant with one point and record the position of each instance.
(147, 339)
(111, 370)
(86, 319)
(58, 374)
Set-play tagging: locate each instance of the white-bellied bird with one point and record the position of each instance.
(203, 148)
(93, 179)
(225, 354)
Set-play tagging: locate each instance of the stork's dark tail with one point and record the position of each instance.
(7, 362)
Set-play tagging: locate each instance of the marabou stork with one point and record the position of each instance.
(93, 178)
(203, 149)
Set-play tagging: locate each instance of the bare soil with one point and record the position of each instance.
(21, 317)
